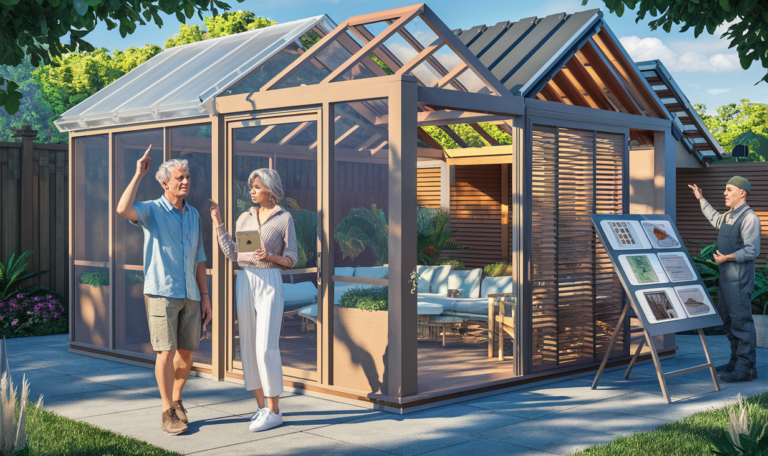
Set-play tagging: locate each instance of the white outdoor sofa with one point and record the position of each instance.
(433, 285)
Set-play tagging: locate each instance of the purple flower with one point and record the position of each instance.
(13, 323)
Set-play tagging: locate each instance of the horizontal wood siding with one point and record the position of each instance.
(695, 230)
(428, 187)
(49, 176)
(476, 214)
(576, 296)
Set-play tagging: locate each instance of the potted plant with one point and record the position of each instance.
(361, 337)
(91, 320)
(364, 227)
(710, 273)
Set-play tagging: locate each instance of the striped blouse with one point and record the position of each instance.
(278, 237)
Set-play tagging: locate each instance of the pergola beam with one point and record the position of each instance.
(386, 56)
(484, 134)
(466, 101)
(453, 74)
(262, 134)
(442, 117)
(452, 134)
(549, 94)
(429, 139)
(301, 127)
(425, 54)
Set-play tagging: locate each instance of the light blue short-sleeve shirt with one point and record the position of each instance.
(173, 246)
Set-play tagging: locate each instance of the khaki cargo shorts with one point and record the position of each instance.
(173, 323)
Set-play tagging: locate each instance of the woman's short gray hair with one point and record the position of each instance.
(164, 174)
(271, 182)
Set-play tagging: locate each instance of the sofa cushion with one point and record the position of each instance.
(346, 272)
(492, 285)
(373, 272)
(298, 294)
(467, 281)
(475, 306)
(431, 274)
(309, 311)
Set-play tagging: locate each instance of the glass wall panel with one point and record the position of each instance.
(193, 144)
(291, 149)
(361, 243)
(91, 240)
(131, 329)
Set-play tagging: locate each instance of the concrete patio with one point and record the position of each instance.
(556, 418)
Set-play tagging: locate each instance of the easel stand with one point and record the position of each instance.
(659, 373)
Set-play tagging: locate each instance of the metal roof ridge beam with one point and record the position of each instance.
(453, 42)
(381, 16)
(373, 44)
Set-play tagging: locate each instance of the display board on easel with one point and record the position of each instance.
(662, 284)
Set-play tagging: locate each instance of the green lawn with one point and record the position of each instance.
(51, 434)
(692, 435)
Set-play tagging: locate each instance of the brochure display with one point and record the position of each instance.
(661, 284)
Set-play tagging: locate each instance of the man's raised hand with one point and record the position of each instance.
(696, 191)
(142, 165)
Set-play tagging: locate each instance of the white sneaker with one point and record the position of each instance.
(259, 413)
(265, 422)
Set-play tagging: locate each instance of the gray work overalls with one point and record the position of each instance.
(737, 280)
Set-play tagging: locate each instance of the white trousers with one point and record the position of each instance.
(259, 296)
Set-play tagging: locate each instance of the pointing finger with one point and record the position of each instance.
(147, 151)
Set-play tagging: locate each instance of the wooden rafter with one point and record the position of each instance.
(368, 142)
(452, 134)
(605, 71)
(363, 34)
(633, 77)
(425, 54)
(567, 73)
(549, 94)
(301, 127)
(453, 74)
(262, 134)
(346, 133)
(559, 92)
(484, 134)
(352, 46)
(595, 92)
(570, 90)
(374, 44)
(429, 139)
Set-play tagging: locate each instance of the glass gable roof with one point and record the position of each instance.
(182, 82)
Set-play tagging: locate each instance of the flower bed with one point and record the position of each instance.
(24, 315)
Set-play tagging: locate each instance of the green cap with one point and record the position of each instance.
(740, 182)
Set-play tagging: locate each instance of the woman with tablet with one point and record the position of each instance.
(266, 242)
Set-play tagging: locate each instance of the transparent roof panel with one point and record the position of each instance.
(183, 81)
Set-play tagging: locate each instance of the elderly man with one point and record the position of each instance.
(175, 287)
(738, 244)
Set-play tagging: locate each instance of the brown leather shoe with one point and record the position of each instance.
(181, 412)
(171, 422)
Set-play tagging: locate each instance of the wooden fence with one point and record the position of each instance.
(694, 228)
(34, 207)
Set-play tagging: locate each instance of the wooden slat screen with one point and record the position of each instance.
(576, 296)
(476, 214)
(428, 187)
(694, 228)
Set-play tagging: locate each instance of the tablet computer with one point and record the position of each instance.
(248, 241)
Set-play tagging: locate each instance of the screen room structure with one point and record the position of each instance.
(441, 185)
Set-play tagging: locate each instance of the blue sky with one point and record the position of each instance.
(706, 70)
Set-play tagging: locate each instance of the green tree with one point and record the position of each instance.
(217, 26)
(71, 78)
(469, 135)
(33, 111)
(748, 19)
(34, 29)
(734, 124)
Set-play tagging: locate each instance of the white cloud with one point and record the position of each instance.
(717, 91)
(641, 49)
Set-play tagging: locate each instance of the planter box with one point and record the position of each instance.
(92, 315)
(360, 341)
(761, 328)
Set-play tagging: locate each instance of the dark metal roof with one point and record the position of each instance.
(519, 53)
(696, 137)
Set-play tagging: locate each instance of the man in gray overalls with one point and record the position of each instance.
(738, 244)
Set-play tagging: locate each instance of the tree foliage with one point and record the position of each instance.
(74, 77)
(34, 110)
(35, 28)
(742, 123)
(468, 134)
(747, 19)
(218, 26)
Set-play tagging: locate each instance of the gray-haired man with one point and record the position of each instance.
(175, 287)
